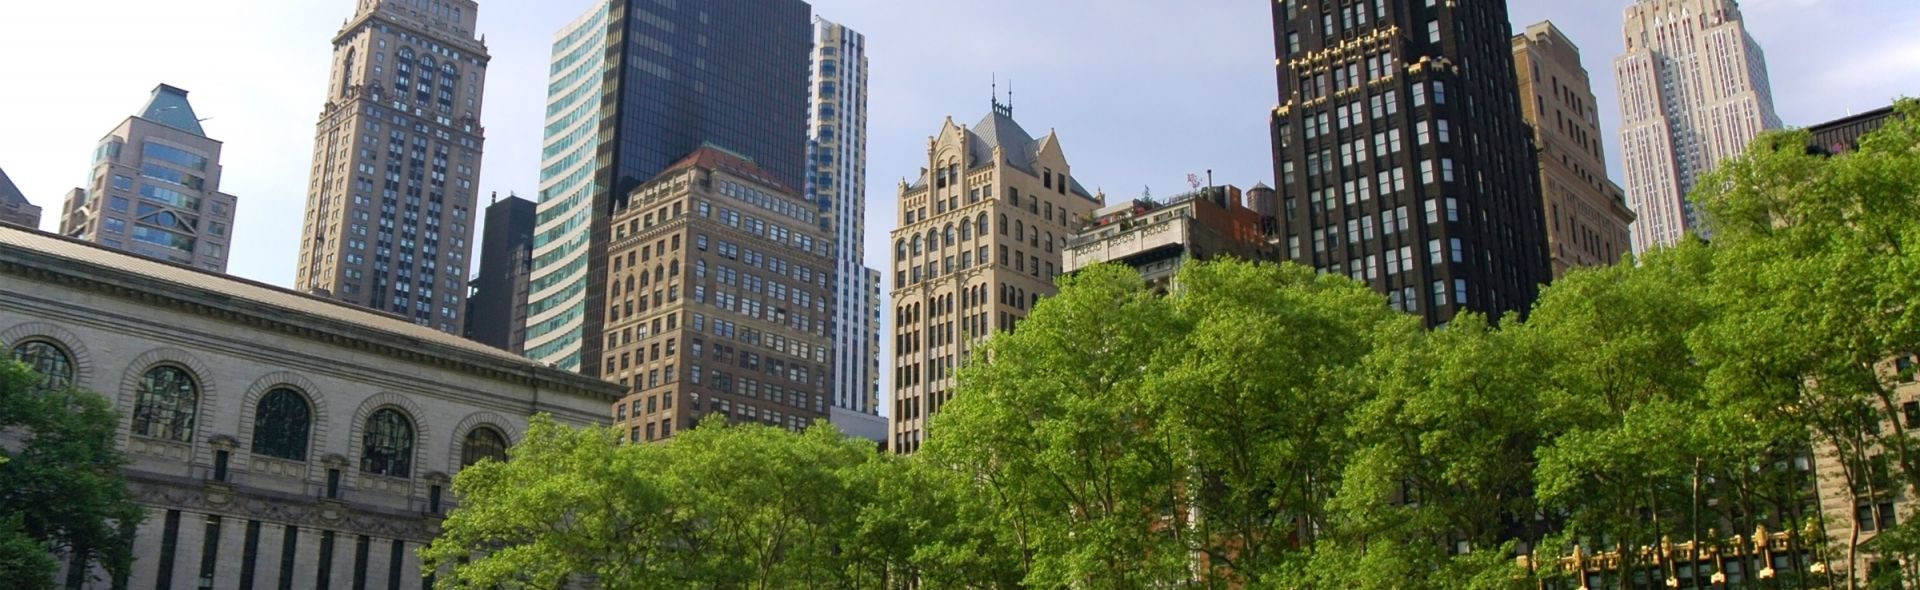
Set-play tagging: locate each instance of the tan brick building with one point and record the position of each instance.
(1587, 216)
(391, 200)
(980, 240)
(717, 300)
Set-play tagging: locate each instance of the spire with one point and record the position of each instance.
(1006, 109)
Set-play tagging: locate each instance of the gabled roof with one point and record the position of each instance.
(999, 130)
(169, 107)
(10, 194)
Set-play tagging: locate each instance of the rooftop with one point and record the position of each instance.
(214, 291)
(10, 194)
(169, 107)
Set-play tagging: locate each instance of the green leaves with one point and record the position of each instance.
(60, 488)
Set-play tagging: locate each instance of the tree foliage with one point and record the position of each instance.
(1263, 426)
(61, 491)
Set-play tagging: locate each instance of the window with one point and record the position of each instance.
(483, 443)
(387, 446)
(280, 425)
(53, 365)
(166, 402)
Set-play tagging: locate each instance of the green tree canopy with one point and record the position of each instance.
(61, 491)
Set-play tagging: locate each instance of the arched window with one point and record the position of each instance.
(1049, 241)
(53, 365)
(280, 425)
(980, 226)
(1003, 224)
(947, 238)
(966, 231)
(346, 73)
(1019, 230)
(387, 446)
(933, 240)
(899, 250)
(483, 443)
(166, 403)
(917, 242)
(673, 268)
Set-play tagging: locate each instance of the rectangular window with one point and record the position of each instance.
(1460, 291)
(249, 554)
(169, 540)
(175, 156)
(395, 559)
(323, 576)
(360, 550)
(289, 550)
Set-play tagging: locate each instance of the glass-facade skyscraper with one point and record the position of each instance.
(635, 86)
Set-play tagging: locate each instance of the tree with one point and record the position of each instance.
(1815, 264)
(60, 484)
(715, 507)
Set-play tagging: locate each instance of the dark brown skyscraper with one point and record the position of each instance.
(497, 309)
(1401, 155)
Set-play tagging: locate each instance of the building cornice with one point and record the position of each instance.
(125, 285)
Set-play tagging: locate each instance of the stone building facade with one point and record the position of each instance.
(717, 300)
(1587, 214)
(391, 200)
(277, 440)
(1693, 92)
(979, 242)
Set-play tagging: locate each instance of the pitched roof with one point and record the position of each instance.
(998, 129)
(10, 194)
(225, 292)
(169, 107)
(713, 157)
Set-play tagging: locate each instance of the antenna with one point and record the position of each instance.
(996, 87)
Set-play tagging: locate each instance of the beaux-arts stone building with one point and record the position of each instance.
(278, 440)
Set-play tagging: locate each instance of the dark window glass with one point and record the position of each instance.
(166, 404)
(169, 543)
(280, 425)
(483, 443)
(387, 448)
(53, 365)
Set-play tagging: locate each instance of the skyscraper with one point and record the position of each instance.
(717, 300)
(497, 310)
(1587, 215)
(837, 184)
(14, 207)
(979, 242)
(635, 86)
(1693, 92)
(155, 188)
(1401, 156)
(391, 200)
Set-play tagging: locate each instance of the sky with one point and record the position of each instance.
(1142, 92)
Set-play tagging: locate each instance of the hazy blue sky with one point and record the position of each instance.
(1142, 91)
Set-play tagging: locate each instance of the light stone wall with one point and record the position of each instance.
(113, 336)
